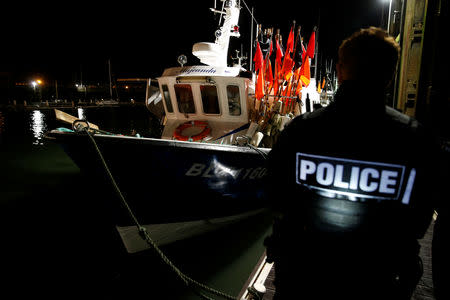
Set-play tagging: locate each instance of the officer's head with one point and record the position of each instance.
(370, 55)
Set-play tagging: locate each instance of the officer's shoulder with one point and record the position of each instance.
(401, 118)
(307, 117)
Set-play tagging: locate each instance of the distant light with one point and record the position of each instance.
(39, 81)
(126, 86)
(34, 83)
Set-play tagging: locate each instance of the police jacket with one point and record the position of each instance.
(355, 172)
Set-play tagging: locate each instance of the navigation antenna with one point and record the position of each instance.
(239, 58)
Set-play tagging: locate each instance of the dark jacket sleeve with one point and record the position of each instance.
(279, 173)
(441, 234)
(283, 199)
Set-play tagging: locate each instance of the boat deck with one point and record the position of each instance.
(424, 289)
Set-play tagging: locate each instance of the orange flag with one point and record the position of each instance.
(259, 88)
(305, 75)
(311, 45)
(290, 41)
(288, 63)
(268, 76)
(279, 53)
(258, 58)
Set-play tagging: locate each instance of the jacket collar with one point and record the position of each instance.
(358, 96)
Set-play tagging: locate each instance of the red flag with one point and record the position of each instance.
(290, 41)
(311, 45)
(279, 54)
(258, 58)
(259, 88)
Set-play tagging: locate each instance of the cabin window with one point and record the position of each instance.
(185, 99)
(209, 99)
(167, 99)
(234, 100)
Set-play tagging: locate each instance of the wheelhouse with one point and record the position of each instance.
(219, 100)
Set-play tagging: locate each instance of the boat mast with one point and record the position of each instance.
(251, 41)
(110, 81)
(252, 20)
(216, 54)
(316, 48)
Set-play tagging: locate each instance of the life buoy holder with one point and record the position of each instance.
(178, 133)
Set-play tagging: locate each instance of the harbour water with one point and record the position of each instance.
(57, 241)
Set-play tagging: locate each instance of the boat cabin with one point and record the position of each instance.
(215, 96)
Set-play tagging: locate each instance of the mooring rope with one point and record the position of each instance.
(145, 235)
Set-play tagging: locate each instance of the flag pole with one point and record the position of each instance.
(251, 41)
(316, 48)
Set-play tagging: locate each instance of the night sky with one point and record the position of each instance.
(142, 38)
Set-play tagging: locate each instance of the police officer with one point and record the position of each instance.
(354, 186)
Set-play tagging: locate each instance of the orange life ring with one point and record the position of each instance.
(178, 133)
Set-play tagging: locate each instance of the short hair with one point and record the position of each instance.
(370, 54)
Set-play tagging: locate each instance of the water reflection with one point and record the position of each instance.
(38, 126)
(81, 114)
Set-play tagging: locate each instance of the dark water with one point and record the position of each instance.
(57, 242)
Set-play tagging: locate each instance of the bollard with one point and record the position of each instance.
(257, 139)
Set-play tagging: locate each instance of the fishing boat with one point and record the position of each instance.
(208, 165)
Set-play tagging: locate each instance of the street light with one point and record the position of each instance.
(36, 83)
